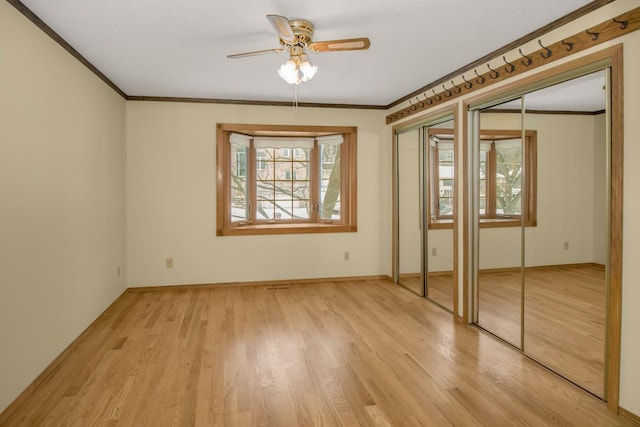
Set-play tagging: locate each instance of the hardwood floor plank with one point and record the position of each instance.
(352, 353)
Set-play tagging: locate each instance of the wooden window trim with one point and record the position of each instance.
(530, 185)
(348, 196)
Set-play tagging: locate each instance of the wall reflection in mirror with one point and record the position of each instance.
(425, 174)
(541, 283)
(500, 175)
(409, 199)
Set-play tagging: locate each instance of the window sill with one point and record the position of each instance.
(441, 224)
(504, 222)
(261, 229)
(444, 224)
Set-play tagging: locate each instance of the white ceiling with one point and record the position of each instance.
(174, 48)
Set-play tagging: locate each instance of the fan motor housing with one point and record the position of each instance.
(303, 30)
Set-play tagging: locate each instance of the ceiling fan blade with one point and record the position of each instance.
(283, 28)
(361, 43)
(257, 52)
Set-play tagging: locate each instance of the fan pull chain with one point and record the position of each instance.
(295, 98)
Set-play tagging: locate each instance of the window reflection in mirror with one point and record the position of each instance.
(425, 174)
(441, 173)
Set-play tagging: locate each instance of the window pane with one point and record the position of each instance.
(265, 190)
(508, 179)
(239, 192)
(483, 182)
(265, 210)
(330, 181)
(446, 170)
(283, 209)
(445, 163)
(445, 197)
(302, 170)
(301, 209)
(264, 163)
(283, 181)
(283, 190)
(483, 197)
(283, 170)
(283, 154)
(446, 206)
(301, 190)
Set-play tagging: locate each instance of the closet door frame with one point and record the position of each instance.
(607, 58)
(422, 122)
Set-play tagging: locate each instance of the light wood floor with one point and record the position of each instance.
(336, 354)
(439, 287)
(564, 317)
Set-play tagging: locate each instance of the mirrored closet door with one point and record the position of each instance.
(441, 177)
(409, 198)
(540, 240)
(424, 191)
(500, 174)
(565, 253)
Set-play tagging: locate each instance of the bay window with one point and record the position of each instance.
(286, 179)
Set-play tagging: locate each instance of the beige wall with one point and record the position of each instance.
(566, 199)
(409, 237)
(62, 212)
(171, 183)
(409, 232)
(630, 365)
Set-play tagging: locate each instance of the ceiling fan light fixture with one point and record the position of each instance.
(307, 69)
(296, 36)
(289, 72)
(298, 70)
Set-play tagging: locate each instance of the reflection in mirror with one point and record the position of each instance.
(441, 178)
(410, 264)
(565, 255)
(501, 183)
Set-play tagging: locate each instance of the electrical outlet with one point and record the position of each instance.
(434, 251)
(118, 271)
(566, 246)
(347, 256)
(169, 262)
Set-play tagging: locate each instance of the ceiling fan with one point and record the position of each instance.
(296, 36)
